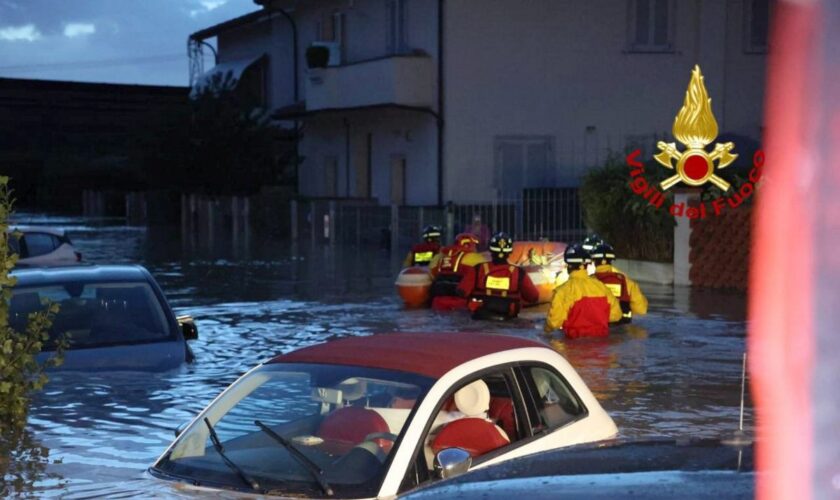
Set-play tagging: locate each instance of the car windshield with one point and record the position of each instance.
(94, 314)
(345, 419)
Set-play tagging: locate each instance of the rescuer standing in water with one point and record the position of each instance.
(447, 269)
(582, 306)
(629, 295)
(422, 254)
(498, 288)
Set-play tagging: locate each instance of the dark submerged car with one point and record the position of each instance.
(648, 469)
(113, 317)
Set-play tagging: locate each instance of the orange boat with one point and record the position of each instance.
(413, 285)
(543, 260)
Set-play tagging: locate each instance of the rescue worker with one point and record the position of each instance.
(497, 288)
(422, 254)
(629, 295)
(447, 269)
(582, 306)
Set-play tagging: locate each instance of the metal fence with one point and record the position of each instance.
(549, 213)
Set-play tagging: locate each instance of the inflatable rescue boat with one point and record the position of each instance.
(414, 284)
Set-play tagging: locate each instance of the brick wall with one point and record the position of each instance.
(720, 250)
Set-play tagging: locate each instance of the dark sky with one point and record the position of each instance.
(119, 41)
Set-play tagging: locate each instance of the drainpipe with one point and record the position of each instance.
(440, 104)
(347, 157)
(296, 92)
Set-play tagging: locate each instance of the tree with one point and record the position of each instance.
(218, 143)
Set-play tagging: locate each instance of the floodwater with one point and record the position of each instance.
(675, 372)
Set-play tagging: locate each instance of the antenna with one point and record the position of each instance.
(743, 385)
(739, 438)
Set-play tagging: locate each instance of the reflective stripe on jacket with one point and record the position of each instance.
(638, 303)
(617, 284)
(421, 254)
(582, 307)
(504, 284)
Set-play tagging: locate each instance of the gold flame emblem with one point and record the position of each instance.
(696, 127)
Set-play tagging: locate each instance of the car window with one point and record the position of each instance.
(554, 402)
(14, 243)
(56, 241)
(38, 244)
(95, 314)
(481, 421)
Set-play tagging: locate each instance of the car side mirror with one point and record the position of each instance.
(188, 327)
(452, 462)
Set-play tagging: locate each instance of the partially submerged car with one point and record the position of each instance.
(649, 469)
(113, 317)
(376, 416)
(42, 246)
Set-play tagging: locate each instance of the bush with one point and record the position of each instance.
(20, 373)
(628, 222)
(317, 56)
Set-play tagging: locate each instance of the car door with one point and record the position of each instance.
(506, 412)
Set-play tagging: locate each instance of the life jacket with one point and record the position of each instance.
(450, 261)
(423, 253)
(617, 283)
(497, 290)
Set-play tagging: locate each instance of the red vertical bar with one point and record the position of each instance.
(781, 328)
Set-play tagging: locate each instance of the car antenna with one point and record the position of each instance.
(739, 437)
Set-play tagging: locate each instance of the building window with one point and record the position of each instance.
(651, 25)
(397, 39)
(756, 25)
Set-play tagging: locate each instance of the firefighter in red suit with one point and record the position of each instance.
(447, 269)
(422, 254)
(582, 306)
(629, 295)
(497, 289)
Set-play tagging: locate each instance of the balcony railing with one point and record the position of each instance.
(402, 80)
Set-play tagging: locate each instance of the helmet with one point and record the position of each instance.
(501, 244)
(591, 242)
(431, 233)
(575, 254)
(604, 251)
(466, 240)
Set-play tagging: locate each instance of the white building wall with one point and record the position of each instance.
(409, 134)
(562, 68)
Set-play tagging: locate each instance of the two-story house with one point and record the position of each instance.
(429, 101)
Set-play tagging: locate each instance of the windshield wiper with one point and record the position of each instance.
(307, 462)
(217, 445)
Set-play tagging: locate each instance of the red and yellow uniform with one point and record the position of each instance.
(421, 254)
(582, 307)
(629, 295)
(497, 289)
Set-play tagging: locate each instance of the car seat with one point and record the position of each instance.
(347, 427)
(473, 433)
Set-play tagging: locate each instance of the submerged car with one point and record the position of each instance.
(43, 246)
(365, 417)
(704, 468)
(112, 317)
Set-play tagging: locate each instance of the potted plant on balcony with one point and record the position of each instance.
(317, 56)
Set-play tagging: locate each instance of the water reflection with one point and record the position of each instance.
(24, 463)
(673, 372)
